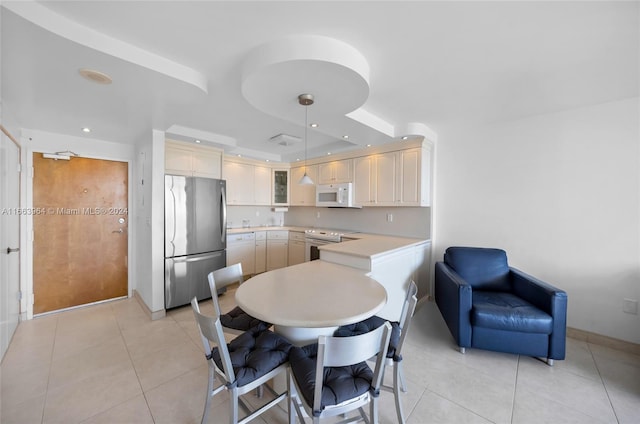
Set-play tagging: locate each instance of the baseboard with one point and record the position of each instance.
(152, 315)
(617, 344)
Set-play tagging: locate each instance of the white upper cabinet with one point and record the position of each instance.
(240, 183)
(395, 178)
(192, 161)
(337, 171)
(250, 183)
(303, 195)
(262, 185)
(280, 187)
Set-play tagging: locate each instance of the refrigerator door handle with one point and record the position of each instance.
(197, 258)
(223, 214)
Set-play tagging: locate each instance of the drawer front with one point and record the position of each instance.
(237, 238)
(278, 235)
(261, 235)
(296, 235)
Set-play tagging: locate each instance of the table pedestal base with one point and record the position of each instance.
(303, 336)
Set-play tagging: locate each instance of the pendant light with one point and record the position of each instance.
(305, 100)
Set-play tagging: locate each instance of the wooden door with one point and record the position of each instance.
(80, 238)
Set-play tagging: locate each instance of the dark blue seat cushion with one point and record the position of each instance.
(371, 324)
(255, 353)
(340, 383)
(506, 311)
(483, 268)
(239, 320)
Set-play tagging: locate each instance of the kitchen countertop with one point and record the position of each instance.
(371, 245)
(241, 230)
(363, 245)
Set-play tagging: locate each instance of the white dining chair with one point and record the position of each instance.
(399, 331)
(332, 377)
(236, 320)
(249, 361)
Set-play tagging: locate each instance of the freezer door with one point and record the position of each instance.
(186, 277)
(195, 215)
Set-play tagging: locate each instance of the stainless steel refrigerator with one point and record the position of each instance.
(195, 222)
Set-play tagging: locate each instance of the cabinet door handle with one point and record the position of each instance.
(10, 250)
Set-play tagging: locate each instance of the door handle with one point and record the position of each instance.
(10, 250)
(118, 231)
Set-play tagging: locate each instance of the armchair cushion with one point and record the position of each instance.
(482, 268)
(505, 311)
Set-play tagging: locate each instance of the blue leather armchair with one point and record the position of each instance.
(489, 305)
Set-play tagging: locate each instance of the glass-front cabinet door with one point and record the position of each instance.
(280, 187)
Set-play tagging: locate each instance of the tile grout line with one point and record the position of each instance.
(53, 347)
(515, 388)
(133, 365)
(604, 385)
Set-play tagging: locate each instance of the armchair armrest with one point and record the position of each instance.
(453, 296)
(549, 299)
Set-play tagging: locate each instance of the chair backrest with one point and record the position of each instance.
(407, 312)
(343, 351)
(221, 278)
(211, 335)
(483, 268)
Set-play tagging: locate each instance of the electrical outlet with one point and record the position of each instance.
(630, 306)
(389, 217)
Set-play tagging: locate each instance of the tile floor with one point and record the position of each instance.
(110, 364)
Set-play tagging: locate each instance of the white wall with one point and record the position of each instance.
(150, 219)
(561, 194)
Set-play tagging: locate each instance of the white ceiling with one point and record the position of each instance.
(178, 66)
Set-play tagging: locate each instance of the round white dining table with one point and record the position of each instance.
(310, 299)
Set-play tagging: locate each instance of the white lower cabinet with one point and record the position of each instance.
(241, 248)
(261, 252)
(296, 248)
(277, 249)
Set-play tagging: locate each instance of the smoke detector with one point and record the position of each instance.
(285, 140)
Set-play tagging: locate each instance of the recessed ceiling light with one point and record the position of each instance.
(314, 125)
(267, 160)
(346, 137)
(405, 137)
(198, 141)
(328, 153)
(368, 145)
(86, 129)
(95, 76)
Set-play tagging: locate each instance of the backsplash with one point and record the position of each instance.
(253, 216)
(404, 222)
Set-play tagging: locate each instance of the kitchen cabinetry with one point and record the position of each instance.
(296, 247)
(261, 185)
(247, 184)
(397, 178)
(277, 249)
(280, 187)
(303, 195)
(261, 252)
(337, 171)
(241, 248)
(192, 161)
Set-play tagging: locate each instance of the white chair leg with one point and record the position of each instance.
(233, 412)
(207, 402)
(397, 386)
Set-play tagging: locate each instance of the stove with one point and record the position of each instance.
(334, 236)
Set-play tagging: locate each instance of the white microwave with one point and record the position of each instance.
(335, 195)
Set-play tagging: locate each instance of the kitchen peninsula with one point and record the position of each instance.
(391, 261)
